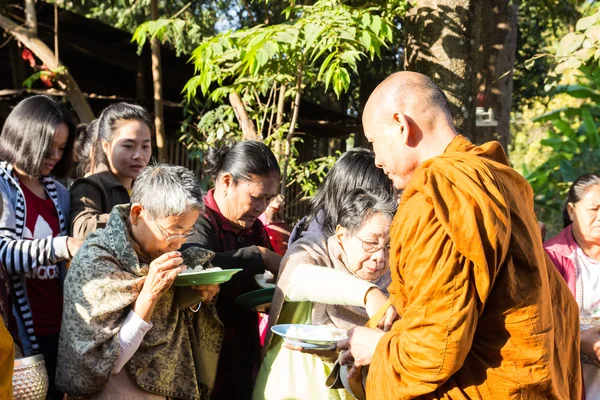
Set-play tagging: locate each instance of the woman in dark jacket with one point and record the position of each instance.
(122, 147)
(246, 177)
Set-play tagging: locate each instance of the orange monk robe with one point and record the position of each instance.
(7, 358)
(485, 315)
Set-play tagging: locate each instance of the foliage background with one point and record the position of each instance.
(555, 105)
(558, 141)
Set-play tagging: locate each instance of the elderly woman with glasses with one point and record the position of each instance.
(340, 280)
(127, 333)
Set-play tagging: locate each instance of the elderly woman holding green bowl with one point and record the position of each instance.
(126, 331)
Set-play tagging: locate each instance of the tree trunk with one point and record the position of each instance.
(495, 63)
(280, 106)
(439, 37)
(31, 17)
(292, 132)
(468, 47)
(248, 129)
(43, 52)
(159, 125)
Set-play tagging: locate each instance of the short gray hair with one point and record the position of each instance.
(359, 205)
(166, 190)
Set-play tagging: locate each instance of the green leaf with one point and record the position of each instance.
(570, 63)
(586, 22)
(35, 77)
(337, 84)
(578, 92)
(568, 112)
(567, 171)
(311, 33)
(285, 36)
(564, 128)
(191, 86)
(262, 57)
(348, 34)
(375, 46)
(140, 35)
(365, 20)
(593, 33)
(376, 24)
(529, 63)
(206, 80)
(272, 48)
(345, 78)
(591, 129)
(584, 54)
(324, 66)
(329, 74)
(569, 43)
(365, 39)
(350, 57)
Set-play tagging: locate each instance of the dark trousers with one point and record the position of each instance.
(49, 349)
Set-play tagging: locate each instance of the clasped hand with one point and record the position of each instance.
(359, 347)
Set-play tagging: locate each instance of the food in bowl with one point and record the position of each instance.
(201, 268)
(316, 332)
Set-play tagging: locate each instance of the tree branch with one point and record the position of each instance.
(291, 133)
(159, 125)
(43, 52)
(31, 17)
(248, 129)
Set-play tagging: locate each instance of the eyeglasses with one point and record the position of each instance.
(372, 248)
(169, 237)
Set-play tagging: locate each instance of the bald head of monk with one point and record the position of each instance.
(408, 120)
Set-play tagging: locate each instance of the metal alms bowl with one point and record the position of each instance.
(30, 380)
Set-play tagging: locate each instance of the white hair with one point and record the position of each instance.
(167, 190)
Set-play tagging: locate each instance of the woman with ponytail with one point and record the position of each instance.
(246, 176)
(121, 149)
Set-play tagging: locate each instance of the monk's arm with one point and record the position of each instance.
(431, 342)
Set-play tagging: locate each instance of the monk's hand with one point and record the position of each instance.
(360, 346)
(375, 299)
(206, 292)
(388, 319)
(329, 356)
(590, 345)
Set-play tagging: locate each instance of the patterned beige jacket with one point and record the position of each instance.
(178, 356)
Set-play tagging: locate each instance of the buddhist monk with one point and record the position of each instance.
(485, 314)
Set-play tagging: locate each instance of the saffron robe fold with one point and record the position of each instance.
(485, 314)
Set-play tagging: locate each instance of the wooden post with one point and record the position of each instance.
(159, 118)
